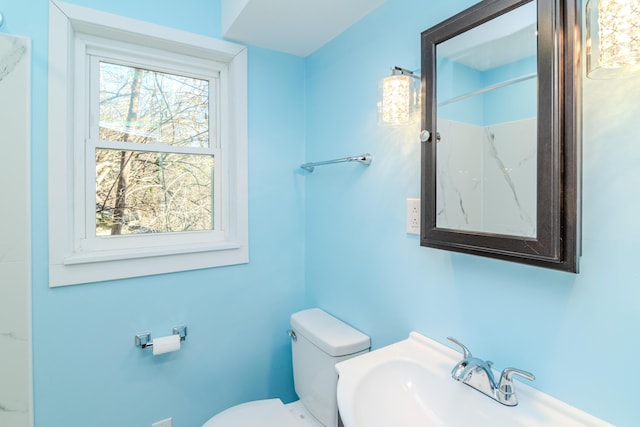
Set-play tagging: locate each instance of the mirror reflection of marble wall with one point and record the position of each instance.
(486, 183)
(487, 107)
(15, 250)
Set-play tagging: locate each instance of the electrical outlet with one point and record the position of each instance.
(162, 423)
(413, 216)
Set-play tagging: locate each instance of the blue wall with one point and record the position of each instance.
(497, 107)
(336, 239)
(455, 80)
(577, 333)
(492, 107)
(87, 371)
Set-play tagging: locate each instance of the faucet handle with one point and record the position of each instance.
(465, 351)
(507, 393)
(506, 384)
(507, 373)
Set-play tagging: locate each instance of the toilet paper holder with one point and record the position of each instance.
(144, 340)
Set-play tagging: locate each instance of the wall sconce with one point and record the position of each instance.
(399, 97)
(613, 38)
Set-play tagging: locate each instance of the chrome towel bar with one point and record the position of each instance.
(364, 159)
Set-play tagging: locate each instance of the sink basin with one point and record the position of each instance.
(409, 384)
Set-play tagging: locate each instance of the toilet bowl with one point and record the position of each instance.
(264, 413)
(319, 341)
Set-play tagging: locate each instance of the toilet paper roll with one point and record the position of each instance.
(166, 344)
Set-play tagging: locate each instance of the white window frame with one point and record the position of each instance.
(92, 52)
(76, 256)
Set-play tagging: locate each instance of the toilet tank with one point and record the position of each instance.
(321, 342)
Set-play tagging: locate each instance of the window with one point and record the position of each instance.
(153, 139)
(147, 149)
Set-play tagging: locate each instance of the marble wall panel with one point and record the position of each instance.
(486, 179)
(15, 266)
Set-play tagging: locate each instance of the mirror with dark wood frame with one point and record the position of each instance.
(501, 151)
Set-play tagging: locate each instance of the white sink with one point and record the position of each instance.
(409, 384)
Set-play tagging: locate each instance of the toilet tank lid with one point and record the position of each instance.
(331, 335)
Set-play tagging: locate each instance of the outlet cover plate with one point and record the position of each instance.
(413, 216)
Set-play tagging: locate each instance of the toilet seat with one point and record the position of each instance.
(259, 413)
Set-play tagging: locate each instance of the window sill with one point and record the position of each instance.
(117, 255)
(98, 267)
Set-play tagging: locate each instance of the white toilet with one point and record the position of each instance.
(319, 341)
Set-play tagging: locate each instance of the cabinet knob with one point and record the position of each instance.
(425, 136)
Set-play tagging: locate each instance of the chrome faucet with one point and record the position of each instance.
(478, 374)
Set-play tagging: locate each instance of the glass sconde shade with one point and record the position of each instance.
(613, 38)
(399, 99)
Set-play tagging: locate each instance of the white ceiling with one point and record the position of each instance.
(298, 27)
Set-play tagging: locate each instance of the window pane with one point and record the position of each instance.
(149, 192)
(143, 106)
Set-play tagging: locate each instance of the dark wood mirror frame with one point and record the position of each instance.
(557, 243)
